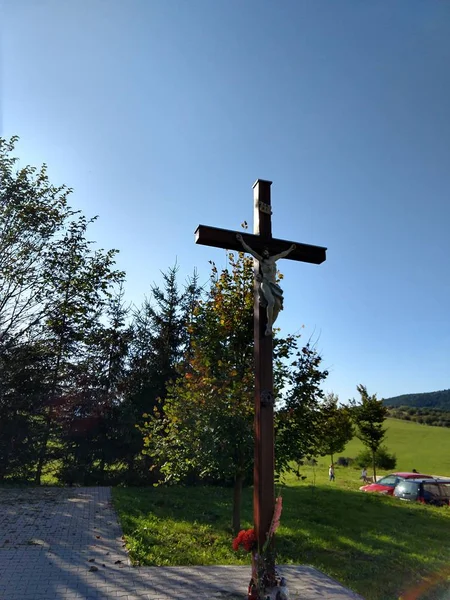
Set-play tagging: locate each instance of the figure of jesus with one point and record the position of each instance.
(270, 293)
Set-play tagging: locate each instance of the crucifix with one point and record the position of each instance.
(266, 250)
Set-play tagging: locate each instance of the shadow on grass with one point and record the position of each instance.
(376, 545)
(379, 547)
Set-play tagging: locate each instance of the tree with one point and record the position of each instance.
(53, 288)
(336, 427)
(383, 458)
(80, 282)
(206, 426)
(91, 436)
(24, 386)
(160, 342)
(33, 213)
(159, 338)
(206, 430)
(298, 422)
(369, 416)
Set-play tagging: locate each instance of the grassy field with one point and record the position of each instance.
(420, 447)
(380, 547)
(375, 545)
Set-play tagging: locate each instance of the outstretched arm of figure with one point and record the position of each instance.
(285, 253)
(247, 248)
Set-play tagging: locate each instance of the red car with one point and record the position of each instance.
(386, 485)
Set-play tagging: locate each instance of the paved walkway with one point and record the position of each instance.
(66, 544)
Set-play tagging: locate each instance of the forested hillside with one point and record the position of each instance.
(440, 400)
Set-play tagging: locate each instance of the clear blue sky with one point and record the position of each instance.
(161, 114)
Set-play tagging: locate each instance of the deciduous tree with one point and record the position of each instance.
(336, 426)
(369, 416)
(33, 214)
(298, 422)
(81, 281)
(206, 428)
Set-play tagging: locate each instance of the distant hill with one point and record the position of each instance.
(439, 400)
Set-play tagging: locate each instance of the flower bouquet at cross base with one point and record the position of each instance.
(245, 539)
(263, 558)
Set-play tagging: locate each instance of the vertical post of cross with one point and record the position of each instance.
(256, 245)
(264, 468)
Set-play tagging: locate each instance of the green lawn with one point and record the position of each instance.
(380, 547)
(420, 447)
(377, 546)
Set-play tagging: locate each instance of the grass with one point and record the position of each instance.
(167, 526)
(420, 447)
(377, 546)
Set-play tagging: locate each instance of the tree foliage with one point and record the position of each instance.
(80, 368)
(33, 214)
(438, 400)
(24, 387)
(54, 288)
(369, 416)
(81, 281)
(205, 429)
(299, 420)
(384, 459)
(160, 341)
(435, 417)
(336, 428)
(90, 420)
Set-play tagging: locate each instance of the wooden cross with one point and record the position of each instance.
(264, 467)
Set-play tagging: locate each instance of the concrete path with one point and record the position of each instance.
(66, 544)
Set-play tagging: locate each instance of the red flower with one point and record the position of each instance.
(237, 541)
(246, 539)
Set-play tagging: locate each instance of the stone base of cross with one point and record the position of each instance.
(266, 251)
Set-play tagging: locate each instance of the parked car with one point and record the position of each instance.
(386, 485)
(428, 491)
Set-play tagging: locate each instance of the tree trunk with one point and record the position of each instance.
(237, 500)
(374, 467)
(43, 448)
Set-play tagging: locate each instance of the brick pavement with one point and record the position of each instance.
(66, 544)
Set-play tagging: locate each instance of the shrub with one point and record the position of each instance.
(383, 459)
(345, 461)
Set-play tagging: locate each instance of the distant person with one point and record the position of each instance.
(364, 474)
(331, 473)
